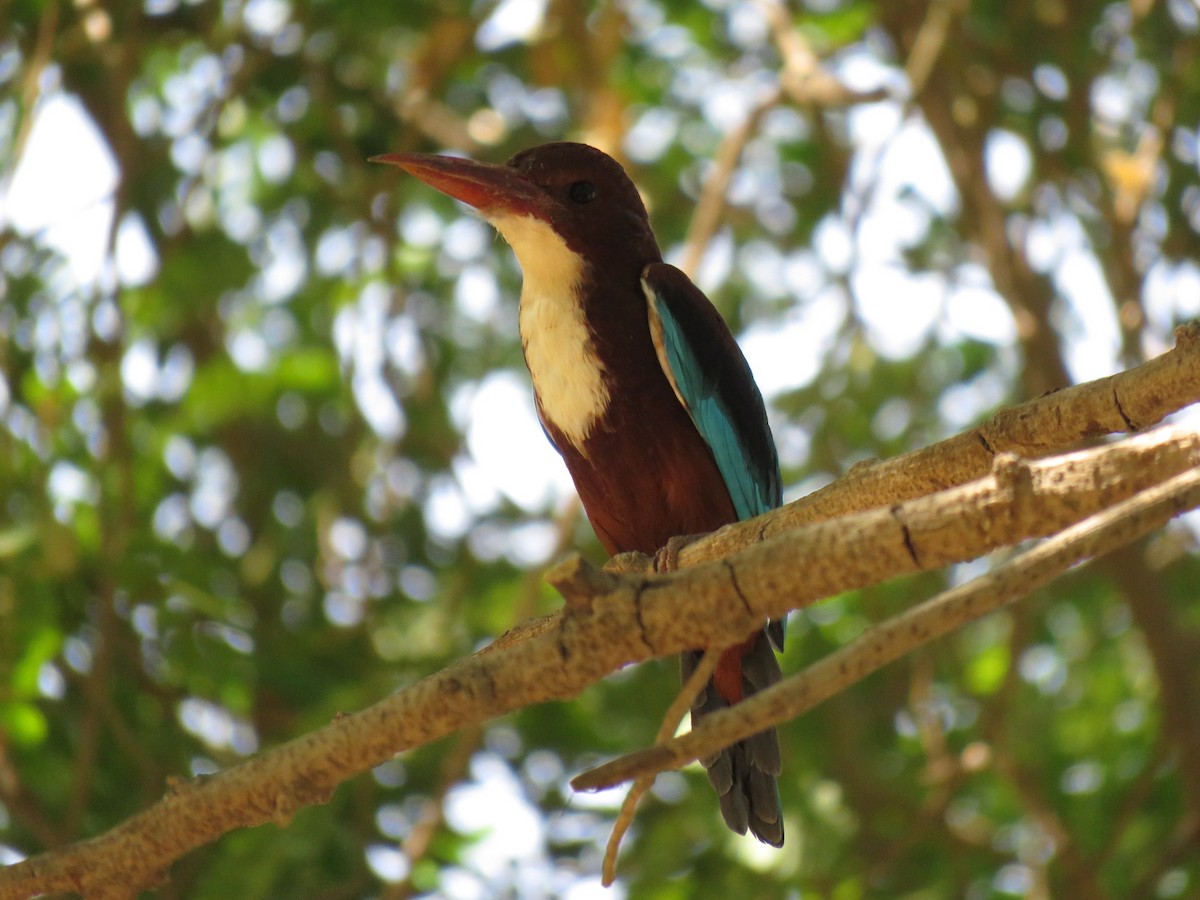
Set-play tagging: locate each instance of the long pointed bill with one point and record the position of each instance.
(489, 188)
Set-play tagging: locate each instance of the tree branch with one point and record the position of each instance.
(1132, 400)
(879, 645)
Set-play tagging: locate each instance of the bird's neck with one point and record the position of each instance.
(560, 349)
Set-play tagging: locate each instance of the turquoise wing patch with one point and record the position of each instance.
(691, 357)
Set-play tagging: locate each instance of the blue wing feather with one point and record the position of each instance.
(711, 379)
(713, 382)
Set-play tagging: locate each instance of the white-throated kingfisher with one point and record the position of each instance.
(642, 390)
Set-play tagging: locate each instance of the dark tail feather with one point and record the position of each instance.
(744, 775)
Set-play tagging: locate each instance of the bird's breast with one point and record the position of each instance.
(568, 374)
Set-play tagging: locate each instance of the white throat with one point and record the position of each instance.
(567, 373)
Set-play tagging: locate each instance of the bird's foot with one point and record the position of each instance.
(630, 563)
(666, 559)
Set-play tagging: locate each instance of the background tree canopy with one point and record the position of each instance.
(268, 449)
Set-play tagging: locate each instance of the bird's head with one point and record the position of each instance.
(552, 195)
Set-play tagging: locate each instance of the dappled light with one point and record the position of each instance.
(270, 452)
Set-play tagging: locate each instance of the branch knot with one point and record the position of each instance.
(578, 581)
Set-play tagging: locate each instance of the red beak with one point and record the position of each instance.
(487, 187)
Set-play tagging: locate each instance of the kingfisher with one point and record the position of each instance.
(643, 391)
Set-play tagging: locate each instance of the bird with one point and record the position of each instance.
(643, 391)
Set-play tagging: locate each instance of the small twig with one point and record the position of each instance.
(803, 77)
(806, 82)
(30, 90)
(670, 723)
(927, 45)
(707, 215)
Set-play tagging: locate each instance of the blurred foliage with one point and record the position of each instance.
(243, 488)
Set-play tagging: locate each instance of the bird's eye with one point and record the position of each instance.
(582, 192)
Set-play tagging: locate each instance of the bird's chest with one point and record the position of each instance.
(568, 375)
(566, 368)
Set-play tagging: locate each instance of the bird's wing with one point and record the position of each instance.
(713, 382)
(711, 379)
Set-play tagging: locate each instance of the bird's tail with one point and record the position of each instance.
(744, 774)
